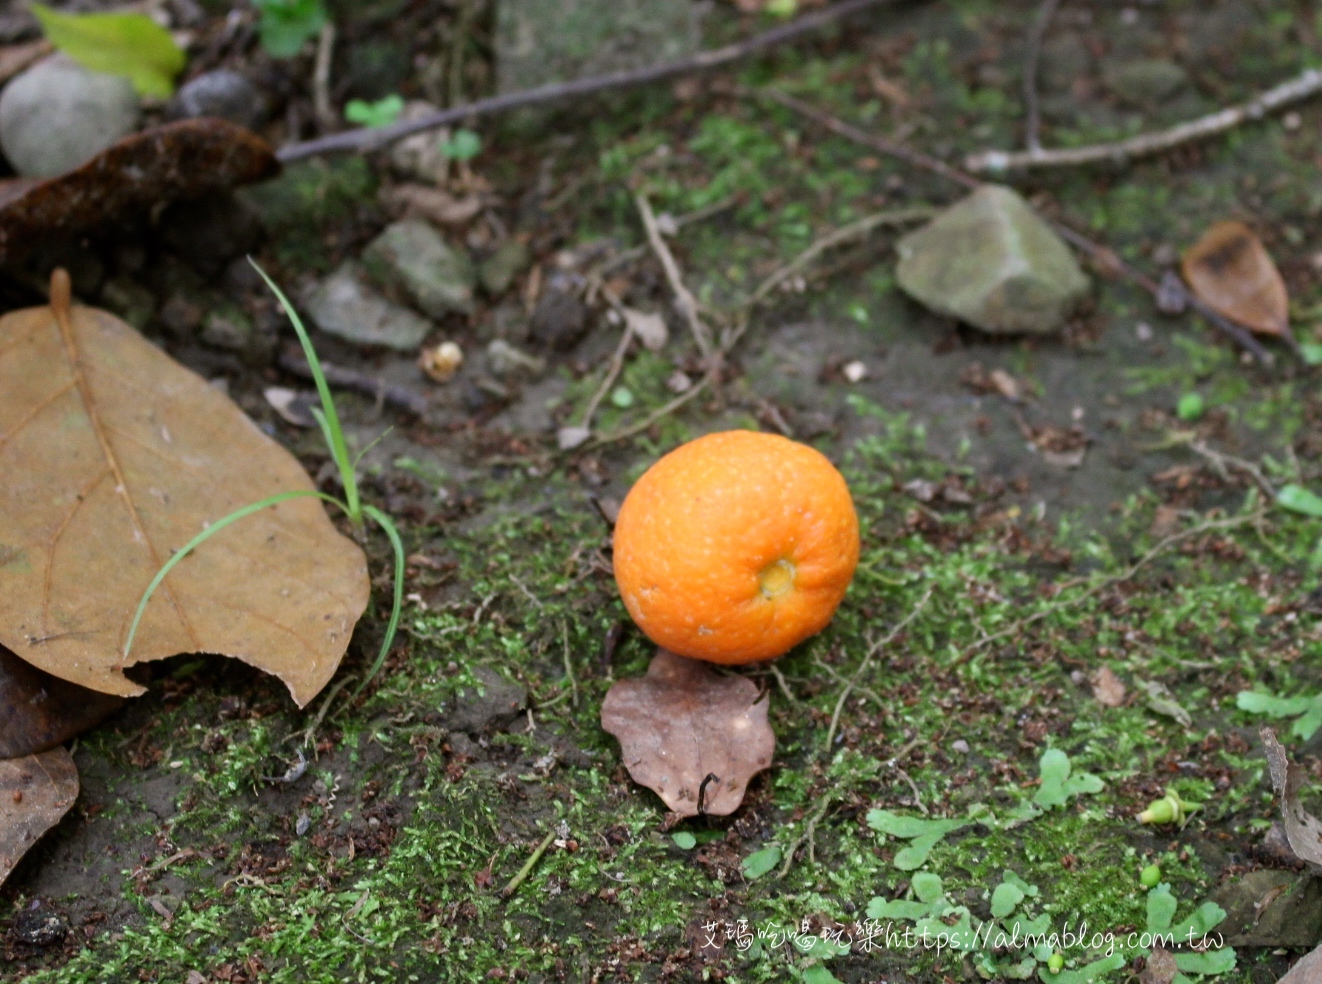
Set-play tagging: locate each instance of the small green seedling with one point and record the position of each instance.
(1191, 407)
(684, 840)
(462, 146)
(922, 835)
(1169, 809)
(284, 26)
(1306, 710)
(1058, 785)
(352, 505)
(760, 862)
(1298, 499)
(383, 112)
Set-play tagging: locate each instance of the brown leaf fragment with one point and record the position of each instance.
(1160, 967)
(14, 58)
(1303, 831)
(434, 204)
(1307, 971)
(35, 792)
(112, 457)
(690, 734)
(1107, 688)
(1231, 272)
(39, 711)
(174, 161)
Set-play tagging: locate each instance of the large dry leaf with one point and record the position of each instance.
(186, 159)
(112, 456)
(39, 711)
(1307, 971)
(1230, 271)
(689, 733)
(35, 792)
(1303, 831)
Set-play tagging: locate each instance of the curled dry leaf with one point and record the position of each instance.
(690, 733)
(1107, 688)
(113, 456)
(35, 792)
(185, 159)
(1303, 831)
(39, 711)
(1230, 271)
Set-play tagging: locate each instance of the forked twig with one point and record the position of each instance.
(684, 299)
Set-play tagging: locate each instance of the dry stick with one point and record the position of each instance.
(528, 865)
(1106, 258)
(1032, 117)
(867, 661)
(684, 299)
(808, 830)
(617, 363)
(321, 100)
(1307, 83)
(365, 139)
(1161, 546)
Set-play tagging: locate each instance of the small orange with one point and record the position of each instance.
(736, 547)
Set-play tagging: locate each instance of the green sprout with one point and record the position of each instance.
(352, 505)
(1306, 710)
(1169, 809)
(284, 26)
(383, 112)
(462, 146)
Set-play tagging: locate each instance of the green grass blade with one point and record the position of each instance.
(387, 524)
(205, 535)
(331, 428)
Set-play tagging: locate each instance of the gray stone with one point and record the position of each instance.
(559, 320)
(494, 701)
(532, 414)
(1271, 908)
(499, 269)
(541, 41)
(503, 359)
(419, 156)
(1147, 82)
(345, 305)
(222, 93)
(991, 261)
(57, 115)
(411, 256)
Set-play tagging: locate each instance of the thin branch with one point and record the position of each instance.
(365, 139)
(613, 373)
(321, 100)
(1106, 259)
(684, 299)
(1032, 116)
(806, 834)
(998, 162)
(528, 865)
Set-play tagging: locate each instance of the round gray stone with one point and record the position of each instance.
(222, 93)
(57, 115)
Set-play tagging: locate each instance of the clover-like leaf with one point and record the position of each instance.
(693, 736)
(1005, 897)
(1308, 710)
(1058, 785)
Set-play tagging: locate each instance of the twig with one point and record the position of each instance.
(783, 684)
(454, 86)
(1160, 547)
(1032, 117)
(1104, 257)
(807, 834)
(399, 397)
(365, 139)
(684, 299)
(528, 865)
(913, 788)
(617, 363)
(321, 100)
(1308, 83)
(321, 714)
(569, 666)
(1222, 461)
(867, 661)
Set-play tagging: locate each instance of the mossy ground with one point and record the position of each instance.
(385, 860)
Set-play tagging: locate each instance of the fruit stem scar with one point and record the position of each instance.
(776, 578)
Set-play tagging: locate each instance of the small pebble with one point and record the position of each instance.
(302, 824)
(678, 382)
(442, 361)
(1292, 121)
(960, 745)
(1143, 331)
(855, 371)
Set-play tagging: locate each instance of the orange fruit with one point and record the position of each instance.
(736, 547)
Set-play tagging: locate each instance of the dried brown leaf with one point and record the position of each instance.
(1160, 967)
(185, 159)
(39, 711)
(1303, 831)
(683, 723)
(434, 204)
(35, 792)
(112, 456)
(1230, 271)
(1307, 971)
(1107, 688)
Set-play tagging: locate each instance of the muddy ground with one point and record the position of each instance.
(187, 859)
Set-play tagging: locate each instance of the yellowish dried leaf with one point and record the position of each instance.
(1231, 272)
(112, 457)
(35, 792)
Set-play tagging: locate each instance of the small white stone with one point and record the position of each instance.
(1144, 331)
(1292, 121)
(855, 371)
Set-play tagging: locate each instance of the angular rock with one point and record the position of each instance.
(1271, 908)
(492, 702)
(411, 257)
(57, 115)
(991, 261)
(499, 269)
(223, 93)
(1147, 82)
(560, 319)
(541, 41)
(345, 305)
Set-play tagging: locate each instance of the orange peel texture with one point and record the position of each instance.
(735, 547)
